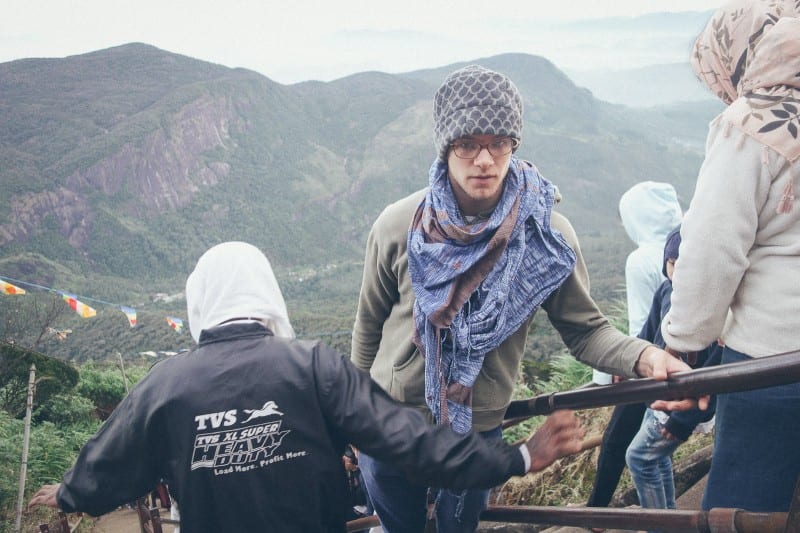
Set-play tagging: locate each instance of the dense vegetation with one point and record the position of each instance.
(69, 405)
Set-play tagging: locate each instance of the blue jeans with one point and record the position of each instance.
(402, 505)
(649, 459)
(756, 453)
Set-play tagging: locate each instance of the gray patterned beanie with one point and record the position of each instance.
(475, 101)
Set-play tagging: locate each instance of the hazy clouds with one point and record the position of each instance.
(309, 39)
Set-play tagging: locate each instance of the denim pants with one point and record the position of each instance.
(649, 459)
(756, 452)
(402, 505)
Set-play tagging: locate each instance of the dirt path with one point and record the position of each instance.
(125, 520)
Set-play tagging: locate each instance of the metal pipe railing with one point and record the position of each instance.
(753, 374)
(715, 520)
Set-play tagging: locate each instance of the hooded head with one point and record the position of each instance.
(234, 280)
(671, 248)
(475, 101)
(749, 45)
(649, 211)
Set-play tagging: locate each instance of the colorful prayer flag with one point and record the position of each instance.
(175, 323)
(130, 313)
(7, 288)
(79, 307)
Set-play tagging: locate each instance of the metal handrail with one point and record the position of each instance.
(716, 520)
(752, 374)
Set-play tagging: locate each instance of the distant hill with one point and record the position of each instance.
(640, 61)
(121, 166)
(687, 23)
(654, 85)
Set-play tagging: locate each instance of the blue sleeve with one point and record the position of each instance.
(682, 423)
(651, 330)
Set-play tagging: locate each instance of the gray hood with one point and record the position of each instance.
(649, 211)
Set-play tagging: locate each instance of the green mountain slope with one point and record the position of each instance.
(121, 166)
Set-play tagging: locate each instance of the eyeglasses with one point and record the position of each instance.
(467, 149)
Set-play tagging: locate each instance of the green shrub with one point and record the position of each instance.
(67, 410)
(104, 386)
(563, 372)
(51, 452)
(567, 373)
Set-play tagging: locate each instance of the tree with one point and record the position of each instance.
(52, 377)
(104, 386)
(28, 321)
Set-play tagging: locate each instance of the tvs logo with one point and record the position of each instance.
(269, 408)
(239, 449)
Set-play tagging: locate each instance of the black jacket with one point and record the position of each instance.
(249, 430)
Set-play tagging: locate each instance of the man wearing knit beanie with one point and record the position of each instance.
(452, 278)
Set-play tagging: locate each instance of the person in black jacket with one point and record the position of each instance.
(249, 428)
(649, 455)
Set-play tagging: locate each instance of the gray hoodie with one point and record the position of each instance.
(649, 211)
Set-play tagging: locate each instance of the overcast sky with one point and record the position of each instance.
(296, 40)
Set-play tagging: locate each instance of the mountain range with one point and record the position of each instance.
(121, 166)
(653, 85)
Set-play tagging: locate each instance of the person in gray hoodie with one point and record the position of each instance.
(649, 211)
(649, 456)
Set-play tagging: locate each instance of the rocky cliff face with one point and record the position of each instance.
(160, 172)
(69, 209)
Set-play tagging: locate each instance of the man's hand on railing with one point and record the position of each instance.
(559, 436)
(658, 364)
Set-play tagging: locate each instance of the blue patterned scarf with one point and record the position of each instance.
(476, 284)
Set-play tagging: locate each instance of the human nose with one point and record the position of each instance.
(484, 158)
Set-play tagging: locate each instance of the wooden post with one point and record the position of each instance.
(122, 367)
(23, 470)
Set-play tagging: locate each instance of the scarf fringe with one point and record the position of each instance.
(444, 412)
(787, 199)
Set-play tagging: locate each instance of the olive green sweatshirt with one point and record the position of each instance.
(382, 335)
